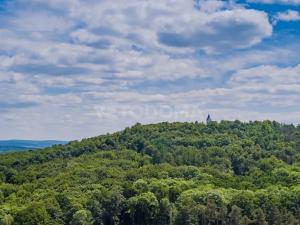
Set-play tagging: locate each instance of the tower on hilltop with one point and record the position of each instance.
(208, 119)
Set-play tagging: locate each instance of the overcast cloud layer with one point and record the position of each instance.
(77, 68)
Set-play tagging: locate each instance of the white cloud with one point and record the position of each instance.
(211, 6)
(286, 2)
(103, 65)
(83, 36)
(112, 28)
(222, 30)
(289, 15)
(267, 75)
(8, 61)
(153, 23)
(40, 22)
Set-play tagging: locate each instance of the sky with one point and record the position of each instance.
(71, 69)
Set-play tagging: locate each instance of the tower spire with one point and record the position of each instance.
(208, 119)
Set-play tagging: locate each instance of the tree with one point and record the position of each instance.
(66, 207)
(290, 219)
(82, 217)
(34, 214)
(235, 215)
(260, 217)
(275, 216)
(1, 197)
(7, 219)
(190, 213)
(106, 206)
(140, 186)
(211, 211)
(143, 208)
(245, 221)
(159, 188)
(165, 213)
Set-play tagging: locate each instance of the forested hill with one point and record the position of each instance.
(169, 173)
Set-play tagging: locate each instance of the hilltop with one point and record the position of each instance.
(167, 173)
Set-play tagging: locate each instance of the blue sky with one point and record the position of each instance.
(77, 68)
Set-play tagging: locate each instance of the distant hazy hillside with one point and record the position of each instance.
(19, 145)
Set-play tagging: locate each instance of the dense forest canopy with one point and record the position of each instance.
(168, 173)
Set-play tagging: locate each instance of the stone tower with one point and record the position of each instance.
(208, 119)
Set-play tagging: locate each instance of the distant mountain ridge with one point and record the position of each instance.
(21, 145)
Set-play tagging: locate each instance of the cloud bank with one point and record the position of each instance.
(72, 68)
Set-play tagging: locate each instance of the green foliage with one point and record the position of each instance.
(82, 217)
(7, 220)
(235, 215)
(34, 214)
(167, 173)
(143, 208)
